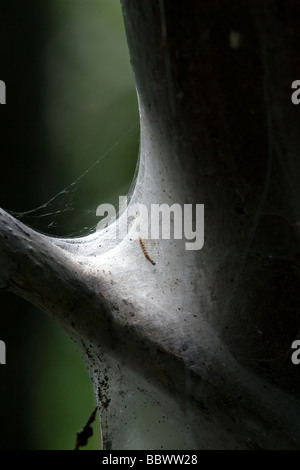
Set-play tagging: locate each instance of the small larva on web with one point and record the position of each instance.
(146, 254)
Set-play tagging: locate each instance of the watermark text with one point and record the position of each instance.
(296, 354)
(2, 92)
(296, 94)
(156, 221)
(2, 352)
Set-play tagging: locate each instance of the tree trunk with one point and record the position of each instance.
(194, 352)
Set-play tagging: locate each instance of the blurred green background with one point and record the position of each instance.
(70, 102)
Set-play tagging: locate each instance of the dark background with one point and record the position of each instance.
(70, 102)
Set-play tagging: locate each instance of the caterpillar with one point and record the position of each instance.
(146, 254)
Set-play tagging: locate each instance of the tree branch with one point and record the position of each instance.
(188, 327)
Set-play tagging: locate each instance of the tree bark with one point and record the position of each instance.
(206, 333)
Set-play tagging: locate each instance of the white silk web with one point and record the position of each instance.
(69, 213)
